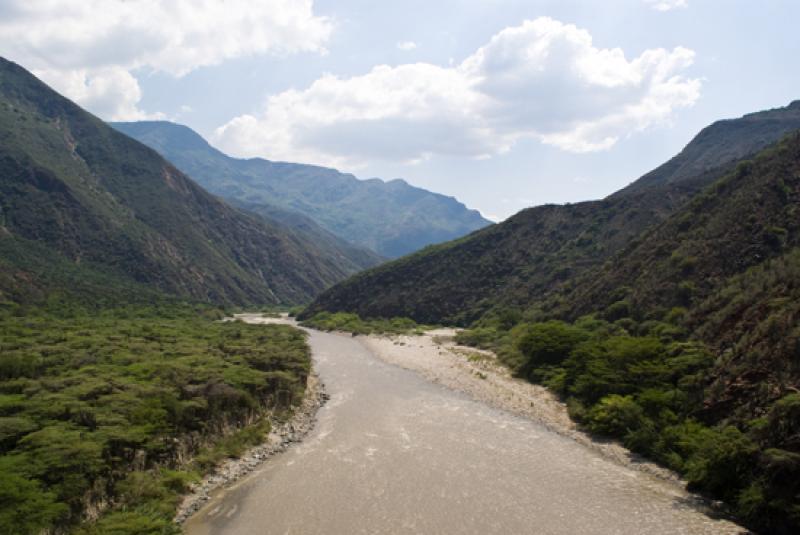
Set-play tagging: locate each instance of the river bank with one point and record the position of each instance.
(396, 451)
(279, 439)
(478, 373)
(482, 377)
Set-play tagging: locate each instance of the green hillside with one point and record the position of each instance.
(531, 255)
(107, 203)
(745, 218)
(392, 218)
(728, 262)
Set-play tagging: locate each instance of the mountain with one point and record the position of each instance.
(730, 257)
(392, 218)
(534, 254)
(354, 257)
(720, 145)
(84, 207)
(742, 220)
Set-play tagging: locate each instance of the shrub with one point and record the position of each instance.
(617, 310)
(685, 292)
(131, 523)
(615, 415)
(481, 337)
(545, 344)
(721, 462)
(25, 509)
(597, 368)
(352, 323)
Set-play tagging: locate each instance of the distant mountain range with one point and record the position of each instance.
(391, 218)
(543, 251)
(88, 212)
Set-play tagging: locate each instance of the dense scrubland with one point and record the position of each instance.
(106, 416)
(115, 393)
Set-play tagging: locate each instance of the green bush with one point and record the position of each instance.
(618, 310)
(647, 384)
(480, 337)
(544, 344)
(26, 509)
(296, 311)
(721, 462)
(131, 523)
(615, 415)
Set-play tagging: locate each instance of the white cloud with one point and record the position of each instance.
(110, 92)
(406, 45)
(667, 5)
(542, 79)
(90, 47)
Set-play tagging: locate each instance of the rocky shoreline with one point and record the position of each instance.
(281, 438)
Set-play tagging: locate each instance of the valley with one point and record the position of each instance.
(201, 333)
(393, 452)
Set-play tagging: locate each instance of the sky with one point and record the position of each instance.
(503, 104)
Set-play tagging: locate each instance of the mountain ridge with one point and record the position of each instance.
(533, 253)
(94, 195)
(390, 217)
(719, 144)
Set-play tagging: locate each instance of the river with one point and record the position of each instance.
(395, 453)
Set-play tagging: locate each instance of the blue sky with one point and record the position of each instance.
(501, 103)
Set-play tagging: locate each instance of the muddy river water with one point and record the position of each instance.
(394, 453)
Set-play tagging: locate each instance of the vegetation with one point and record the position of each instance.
(114, 395)
(295, 311)
(117, 411)
(740, 221)
(352, 323)
(391, 218)
(646, 385)
(666, 316)
(96, 199)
